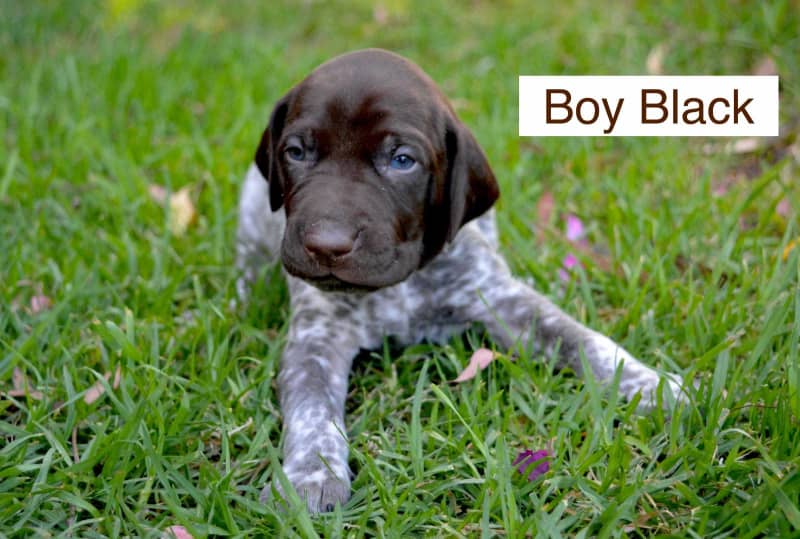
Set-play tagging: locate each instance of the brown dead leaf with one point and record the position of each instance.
(480, 360)
(98, 389)
(18, 379)
(21, 386)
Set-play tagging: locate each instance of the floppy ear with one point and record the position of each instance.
(471, 185)
(267, 153)
(469, 189)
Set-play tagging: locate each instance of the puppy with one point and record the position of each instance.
(377, 200)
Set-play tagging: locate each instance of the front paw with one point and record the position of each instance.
(604, 356)
(321, 488)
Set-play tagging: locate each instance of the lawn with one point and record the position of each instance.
(135, 394)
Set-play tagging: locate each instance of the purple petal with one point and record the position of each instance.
(539, 470)
(522, 456)
(574, 228)
(528, 457)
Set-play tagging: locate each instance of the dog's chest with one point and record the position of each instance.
(410, 315)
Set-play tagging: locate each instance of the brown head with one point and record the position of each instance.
(374, 171)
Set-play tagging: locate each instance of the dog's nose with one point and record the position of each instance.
(327, 241)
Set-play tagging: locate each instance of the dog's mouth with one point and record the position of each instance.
(379, 269)
(332, 283)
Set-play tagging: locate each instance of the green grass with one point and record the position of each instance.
(98, 100)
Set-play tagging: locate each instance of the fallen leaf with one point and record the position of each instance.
(18, 379)
(21, 386)
(98, 389)
(747, 145)
(655, 59)
(765, 67)
(176, 532)
(182, 212)
(480, 360)
(740, 146)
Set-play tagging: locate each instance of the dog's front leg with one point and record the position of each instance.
(511, 309)
(312, 386)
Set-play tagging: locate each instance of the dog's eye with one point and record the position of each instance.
(402, 161)
(295, 152)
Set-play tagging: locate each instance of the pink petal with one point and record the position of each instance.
(574, 228)
(480, 360)
(177, 532)
(784, 208)
(570, 261)
(40, 303)
(158, 193)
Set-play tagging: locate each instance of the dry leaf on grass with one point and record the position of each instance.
(480, 360)
(739, 146)
(765, 67)
(655, 59)
(22, 386)
(98, 389)
(182, 212)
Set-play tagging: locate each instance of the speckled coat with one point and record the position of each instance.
(468, 282)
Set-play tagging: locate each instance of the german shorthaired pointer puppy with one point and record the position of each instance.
(377, 200)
